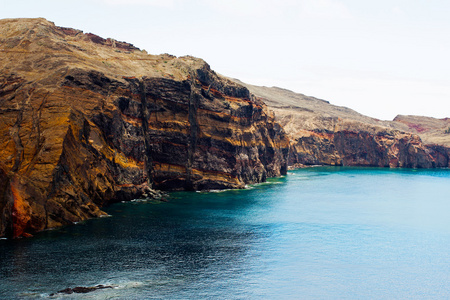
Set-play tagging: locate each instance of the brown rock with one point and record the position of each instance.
(84, 125)
(431, 130)
(324, 134)
(82, 289)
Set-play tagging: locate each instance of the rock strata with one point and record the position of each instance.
(324, 134)
(87, 121)
(431, 130)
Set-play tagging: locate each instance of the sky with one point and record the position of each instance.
(380, 58)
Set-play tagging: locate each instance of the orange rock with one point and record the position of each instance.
(82, 127)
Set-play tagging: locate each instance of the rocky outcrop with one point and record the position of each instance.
(86, 121)
(82, 290)
(324, 134)
(431, 130)
(356, 147)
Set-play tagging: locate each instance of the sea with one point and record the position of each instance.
(317, 233)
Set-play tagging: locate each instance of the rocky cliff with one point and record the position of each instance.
(431, 130)
(86, 121)
(322, 133)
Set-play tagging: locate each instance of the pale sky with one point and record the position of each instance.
(380, 58)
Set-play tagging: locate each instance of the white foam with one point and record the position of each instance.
(220, 191)
(215, 191)
(128, 285)
(252, 186)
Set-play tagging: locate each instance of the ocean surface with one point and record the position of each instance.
(318, 233)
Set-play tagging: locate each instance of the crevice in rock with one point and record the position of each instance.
(6, 224)
(145, 115)
(15, 135)
(193, 133)
(39, 142)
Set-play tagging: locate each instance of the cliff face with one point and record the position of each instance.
(86, 121)
(321, 133)
(371, 147)
(431, 130)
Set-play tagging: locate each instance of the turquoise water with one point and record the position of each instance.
(318, 233)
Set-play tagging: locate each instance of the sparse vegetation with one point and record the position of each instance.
(106, 63)
(447, 131)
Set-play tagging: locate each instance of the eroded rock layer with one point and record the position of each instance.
(87, 121)
(324, 134)
(370, 147)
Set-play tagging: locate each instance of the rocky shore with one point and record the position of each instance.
(88, 121)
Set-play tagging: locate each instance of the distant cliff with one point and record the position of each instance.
(324, 134)
(87, 121)
(431, 130)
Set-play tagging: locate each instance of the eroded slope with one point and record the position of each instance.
(322, 133)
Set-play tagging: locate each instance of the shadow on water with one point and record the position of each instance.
(193, 237)
(325, 232)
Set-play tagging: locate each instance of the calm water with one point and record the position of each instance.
(319, 233)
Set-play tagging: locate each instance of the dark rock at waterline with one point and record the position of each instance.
(82, 289)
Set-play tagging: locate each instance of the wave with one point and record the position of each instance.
(215, 191)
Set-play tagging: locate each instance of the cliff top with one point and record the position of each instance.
(298, 112)
(311, 113)
(37, 49)
(29, 46)
(431, 130)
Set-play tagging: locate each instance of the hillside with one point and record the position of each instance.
(322, 133)
(86, 121)
(430, 130)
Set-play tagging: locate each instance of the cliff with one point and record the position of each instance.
(431, 130)
(324, 134)
(87, 121)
